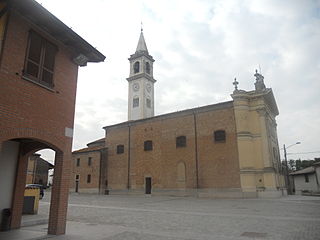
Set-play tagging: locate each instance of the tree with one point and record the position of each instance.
(295, 165)
(301, 164)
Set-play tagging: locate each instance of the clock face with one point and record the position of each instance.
(135, 87)
(148, 87)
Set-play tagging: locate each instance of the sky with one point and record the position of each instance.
(199, 47)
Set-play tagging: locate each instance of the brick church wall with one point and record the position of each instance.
(216, 164)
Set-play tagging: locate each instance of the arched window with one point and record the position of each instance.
(136, 67)
(181, 141)
(220, 136)
(148, 145)
(147, 67)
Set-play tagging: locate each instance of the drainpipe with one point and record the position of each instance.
(129, 142)
(317, 180)
(196, 148)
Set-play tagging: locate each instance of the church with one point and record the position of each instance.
(224, 150)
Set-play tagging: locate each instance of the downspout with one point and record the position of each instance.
(196, 148)
(100, 174)
(317, 180)
(129, 142)
(103, 178)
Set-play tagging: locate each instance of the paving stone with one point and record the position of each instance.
(139, 217)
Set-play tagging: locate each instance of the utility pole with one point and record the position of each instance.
(287, 170)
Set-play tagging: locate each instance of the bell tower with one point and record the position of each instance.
(141, 83)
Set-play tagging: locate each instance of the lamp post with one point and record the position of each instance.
(286, 162)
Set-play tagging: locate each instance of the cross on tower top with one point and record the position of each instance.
(235, 83)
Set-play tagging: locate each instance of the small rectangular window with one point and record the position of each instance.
(120, 149)
(78, 162)
(148, 145)
(148, 103)
(89, 161)
(306, 178)
(181, 141)
(135, 102)
(219, 136)
(89, 178)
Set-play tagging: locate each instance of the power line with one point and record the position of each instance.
(303, 152)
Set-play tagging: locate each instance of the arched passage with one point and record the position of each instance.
(14, 154)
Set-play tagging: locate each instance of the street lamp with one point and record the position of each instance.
(286, 162)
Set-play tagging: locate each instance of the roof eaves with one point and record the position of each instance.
(304, 171)
(45, 20)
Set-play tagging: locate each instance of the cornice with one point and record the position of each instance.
(141, 75)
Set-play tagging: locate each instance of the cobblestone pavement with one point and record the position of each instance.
(144, 217)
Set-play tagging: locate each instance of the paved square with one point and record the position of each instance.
(143, 217)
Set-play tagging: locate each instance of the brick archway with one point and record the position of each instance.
(59, 196)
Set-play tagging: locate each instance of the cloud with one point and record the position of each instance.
(199, 47)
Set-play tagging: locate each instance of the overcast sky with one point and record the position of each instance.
(199, 47)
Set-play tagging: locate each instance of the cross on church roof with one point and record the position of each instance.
(235, 83)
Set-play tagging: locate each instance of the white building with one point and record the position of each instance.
(307, 180)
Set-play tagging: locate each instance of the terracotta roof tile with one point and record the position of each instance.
(96, 141)
(88, 149)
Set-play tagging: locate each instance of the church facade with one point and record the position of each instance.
(228, 149)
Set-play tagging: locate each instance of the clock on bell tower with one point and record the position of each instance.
(141, 83)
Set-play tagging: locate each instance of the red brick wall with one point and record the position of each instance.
(218, 164)
(30, 111)
(26, 109)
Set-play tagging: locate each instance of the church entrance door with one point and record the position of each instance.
(148, 185)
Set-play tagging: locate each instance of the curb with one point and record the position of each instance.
(34, 222)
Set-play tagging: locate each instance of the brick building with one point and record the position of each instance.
(229, 149)
(39, 60)
(38, 170)
(88, 167)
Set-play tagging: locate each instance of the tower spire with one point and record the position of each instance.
(142, 46)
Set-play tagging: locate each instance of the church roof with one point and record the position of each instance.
(142, 46)
(211, 107)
